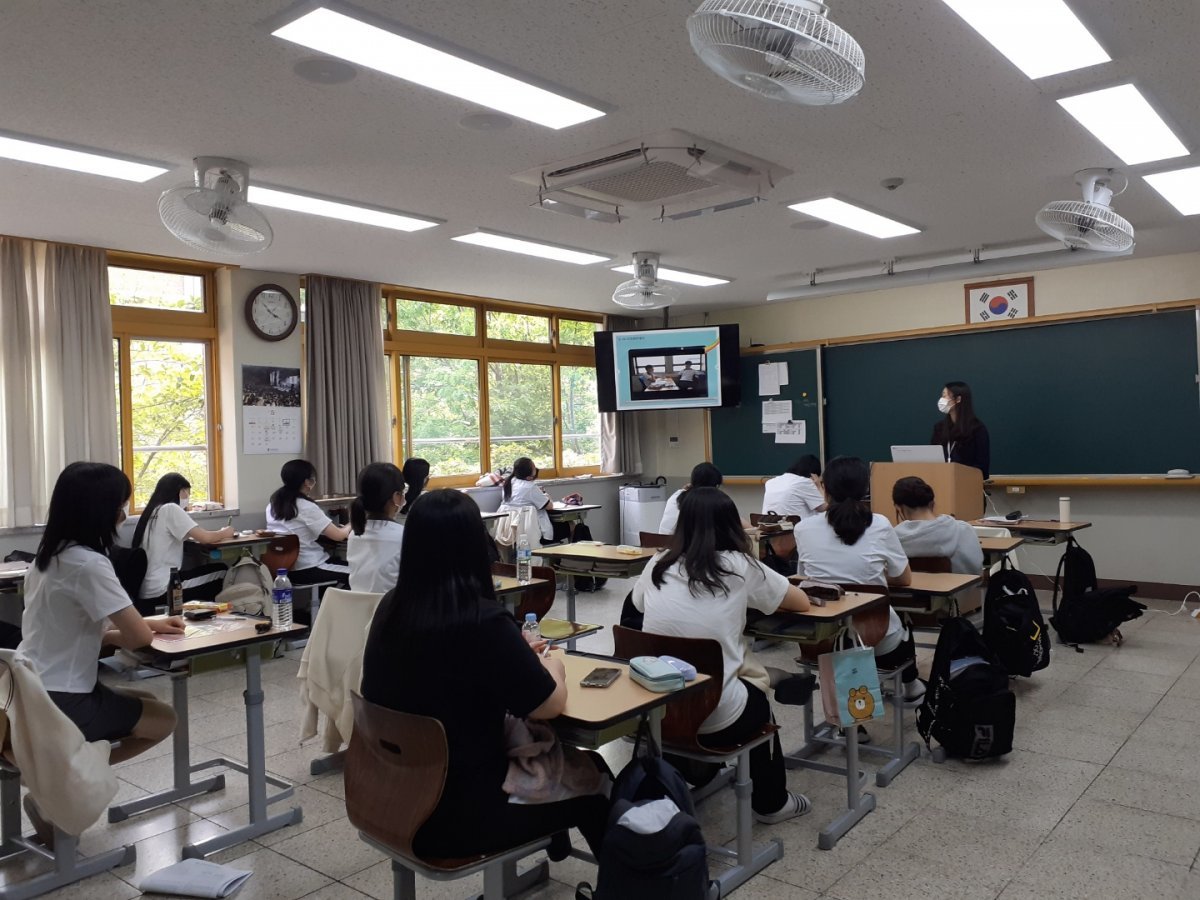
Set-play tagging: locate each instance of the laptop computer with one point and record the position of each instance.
(918, 453)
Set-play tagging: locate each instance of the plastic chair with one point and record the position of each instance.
(395, 772)
(653, 539)
(539, 598)
(680, 733)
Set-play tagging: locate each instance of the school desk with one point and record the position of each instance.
(566, 512)
(1038, 531)
(175, 652)
(933, 592)
(234, 547)
(593, 560)
(12, 574)
(997, 548)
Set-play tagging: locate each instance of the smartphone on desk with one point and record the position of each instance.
(600, 678)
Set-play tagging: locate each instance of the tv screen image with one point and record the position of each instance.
(668, 368)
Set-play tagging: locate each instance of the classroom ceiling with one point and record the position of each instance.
(980, 146)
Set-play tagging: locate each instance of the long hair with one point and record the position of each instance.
(438, 592)
(377, 484)
(705, 474)
(285, 500)
(708, 524)
(847, 483)
(806, 466)
(521, 471)
(166, 491)
(955, 430)
(912, 492)
(84, 506)
(416, 473)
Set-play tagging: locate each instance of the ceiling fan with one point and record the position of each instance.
(213, 214)
(644, 290)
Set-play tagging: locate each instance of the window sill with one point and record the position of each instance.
(199, 515)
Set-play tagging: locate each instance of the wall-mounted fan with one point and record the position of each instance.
(213, 214)
(782, 49)
(645, 291)
(1089, 224)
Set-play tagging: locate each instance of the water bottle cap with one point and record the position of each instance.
(281, 572)
(530, 617)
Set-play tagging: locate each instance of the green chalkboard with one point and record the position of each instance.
(1099, 397)
(739, 446)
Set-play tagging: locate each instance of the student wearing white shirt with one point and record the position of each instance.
(161, 529)
(701, 587)
(291, 511)
(373, 550)
(74, 605)
(521, 489)
(704, 474)
(797, 492)
(850, 545)
(923, 532)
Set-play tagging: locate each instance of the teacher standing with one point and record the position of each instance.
(963, 438)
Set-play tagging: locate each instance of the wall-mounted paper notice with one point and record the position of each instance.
(768, 380)
(783, 372)
(776, 410)
(770, 427)
(791, 433)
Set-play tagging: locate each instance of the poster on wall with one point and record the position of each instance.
(270, 410)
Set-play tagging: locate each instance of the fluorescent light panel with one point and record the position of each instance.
(334, 209)
(839, 212)
(348, 38)
(676, 275)
(1180, 188)
(43, 154)
(1039, 37)
(495, 241)
(1123, 121)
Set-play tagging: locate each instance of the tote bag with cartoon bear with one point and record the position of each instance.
(850, 686)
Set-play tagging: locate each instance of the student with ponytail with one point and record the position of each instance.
(373, 550)
(850, 545)
(521, 489)
(291, 511)
(416, 477)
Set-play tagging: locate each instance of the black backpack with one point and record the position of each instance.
(971, 715)
(669, 864)
(1075, 575)
(1013, 626)
(1094, 615)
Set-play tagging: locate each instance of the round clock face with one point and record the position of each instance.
(271, 312)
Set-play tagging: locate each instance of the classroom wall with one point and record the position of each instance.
(1138, 535)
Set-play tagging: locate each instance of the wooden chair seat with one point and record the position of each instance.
(768, 730)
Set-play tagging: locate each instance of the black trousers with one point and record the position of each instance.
(767, 770)
(905, 655)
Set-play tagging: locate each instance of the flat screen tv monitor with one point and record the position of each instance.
(668, 368)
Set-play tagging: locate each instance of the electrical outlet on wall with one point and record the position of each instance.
(1015, 489)
(673, 441)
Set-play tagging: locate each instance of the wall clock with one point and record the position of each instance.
(271, 312)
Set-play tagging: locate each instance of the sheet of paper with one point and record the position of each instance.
(776, 410)
(768, 380)
(792, 433)
(770, 427)
(783, 372)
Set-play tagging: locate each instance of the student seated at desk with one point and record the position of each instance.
(704, 474)
(162, 528)
(923, 532)
(373, 549)
(291, 511)
(416, 477)
(440, 645)
(521, 489)
(74, 606)
(701, 587)
(797, 492)
(850, 545)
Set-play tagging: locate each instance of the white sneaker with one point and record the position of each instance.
(796, 805)
(914, 693)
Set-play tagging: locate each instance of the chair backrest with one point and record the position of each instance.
(653, 539)
(873, 624)
(539, 598)
(687, 713)
(281, 553)
(757, 519)
(394, 773)
(929, 563)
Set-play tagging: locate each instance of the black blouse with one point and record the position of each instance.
(973, 449)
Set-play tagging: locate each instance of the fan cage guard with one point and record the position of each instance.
(212, 214)
(637, 294)
(781, 49)
(1086, 226)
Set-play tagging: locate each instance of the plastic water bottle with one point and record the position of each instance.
(281, 601)
(530, 630)
(524, 560)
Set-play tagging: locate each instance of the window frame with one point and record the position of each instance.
(400, 345)
(132, 323)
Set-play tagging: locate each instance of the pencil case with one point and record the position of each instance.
(655, 675)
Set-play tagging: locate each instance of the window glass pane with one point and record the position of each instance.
(438, 318)
(383, 313)
(389, 402)
(580, 416)
(520, 414)
(117, 384)
(506, 326)
(577, 333)
(169, 408)
(155, 290)
(445, 414)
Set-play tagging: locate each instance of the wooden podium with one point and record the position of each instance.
(957, 489)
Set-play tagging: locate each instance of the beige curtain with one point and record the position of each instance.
(620, 435)
(57, 390)
(344, 383)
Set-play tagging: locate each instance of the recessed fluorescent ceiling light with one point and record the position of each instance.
(25, 150)
(1180, 188)
(1124, 122)
(530, 248)
(347, 38)
(842, 213)
(334, 209)
(675, 275)
(1039, 37)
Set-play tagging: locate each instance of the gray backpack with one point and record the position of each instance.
(247, 587)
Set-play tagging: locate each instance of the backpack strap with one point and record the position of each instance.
(1058, 574)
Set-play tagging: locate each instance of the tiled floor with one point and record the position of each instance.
(1100, 799)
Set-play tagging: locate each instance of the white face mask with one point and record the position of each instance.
(944, 405)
